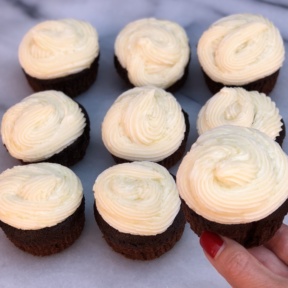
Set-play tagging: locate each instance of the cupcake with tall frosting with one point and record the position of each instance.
(46, 126)
(60, 55)
(237, 106)
(154, 52)
(41, 207)
(242, 50)
(234, 182)
(146, 124)
(137, 208)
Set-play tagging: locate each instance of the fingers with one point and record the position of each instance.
(270, 260)
(237, 265)
(279, 243)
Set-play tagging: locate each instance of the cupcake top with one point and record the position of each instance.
(139, 198)
(241, 48)
(144, 123)
(57, 48)
(237, 106)
(41, 125)
(39, 195)
(154, 52)
(234, 175)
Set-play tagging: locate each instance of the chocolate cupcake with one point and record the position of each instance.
(41, 207)
(46, 126)
(60, 55)
(241, 50)
(137, 208)
(154, 52)
(146, 124)
(233, 182)
(237, 106)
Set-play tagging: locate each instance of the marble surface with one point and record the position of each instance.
(90, 262)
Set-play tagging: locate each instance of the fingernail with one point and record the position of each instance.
(211, 243)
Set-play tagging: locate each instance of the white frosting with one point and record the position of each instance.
(240, 49)
(236, 106)
(234, 175)
(154, 52)
(41, 125)
(39, 195)
(58, 48)
(144, 123)
(140, 198)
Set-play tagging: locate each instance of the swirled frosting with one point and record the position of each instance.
(234, 175)
(58, 48)
(40, 195)
(139, 198)
(241, 48)
(41, 125)
(236, 106)
(154, 52)
(144, 123)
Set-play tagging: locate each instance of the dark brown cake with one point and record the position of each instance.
(50, 240)
(75, 152)
(264, 85)
(240, 61)
(249, 235)
(222, 176)
(138, 247)
(72, 85)
(173, 88)
(175, 157)
(280, 138)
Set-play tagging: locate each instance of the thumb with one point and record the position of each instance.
(236, 264)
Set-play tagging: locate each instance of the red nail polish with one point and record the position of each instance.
(211, 243)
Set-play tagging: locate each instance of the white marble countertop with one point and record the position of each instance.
(90, 262)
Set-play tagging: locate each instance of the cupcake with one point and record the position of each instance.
(137, 208)
(154, 52)
(46, 126)
(41, 207)
(237, 106)
(242, 50)
(146, 124)
(60, 55)
(234, 182)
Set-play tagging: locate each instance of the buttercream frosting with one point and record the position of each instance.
(36, 196)
(154, 52)
(240, 48)
(139, 198)
(41, 125)
(58, 48)
(237, 106)
(234, 175)
(144, 123)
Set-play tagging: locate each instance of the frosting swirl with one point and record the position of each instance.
(144, 123)
(240, 49)
(140, 198)
(236, 106)
(58, 48)
(41, 125)
(234, 175)
(38, 195)
(154, 52)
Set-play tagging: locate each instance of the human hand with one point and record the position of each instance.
(263, 266)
